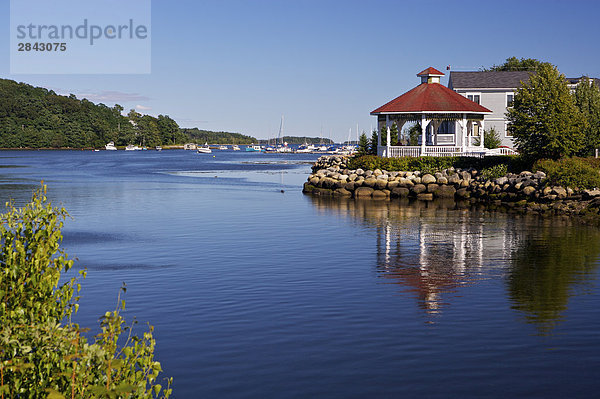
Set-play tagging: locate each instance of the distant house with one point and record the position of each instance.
(495, 90)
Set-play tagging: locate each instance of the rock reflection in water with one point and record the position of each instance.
(432, 249)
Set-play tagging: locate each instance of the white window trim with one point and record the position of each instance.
(506, 98)
(474, 93)
(506, 130)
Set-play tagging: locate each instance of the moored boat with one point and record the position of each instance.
(132, 147)
(203, 149)
(110, 146)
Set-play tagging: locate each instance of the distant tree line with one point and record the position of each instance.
(35, 117)
(206, 136)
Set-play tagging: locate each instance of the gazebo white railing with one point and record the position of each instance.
(440, 151)
(430, 151)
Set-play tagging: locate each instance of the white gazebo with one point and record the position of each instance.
(450, 123)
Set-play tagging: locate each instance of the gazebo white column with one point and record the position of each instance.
(463, 132)
(388, 143)
(482, 135)
(423, 129)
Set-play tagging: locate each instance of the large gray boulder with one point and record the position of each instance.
(428, 179)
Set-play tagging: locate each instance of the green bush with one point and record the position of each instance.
(577, 173)
(495, 171)
(43, 354)
(513, 163)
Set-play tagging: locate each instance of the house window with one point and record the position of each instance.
(507, 132)
(509, 99)
(475, 97)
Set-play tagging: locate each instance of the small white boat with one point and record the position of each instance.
(158, 148)
(223, 147)
(203, 149)
(284, 148)
(110, 146)
(236, 147)
(132, 147)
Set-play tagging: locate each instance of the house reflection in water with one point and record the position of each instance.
(435, 250)
(432, 249)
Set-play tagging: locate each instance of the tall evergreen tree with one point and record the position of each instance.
(544, 120)
(373, 143)
(363, 144)
(587, 99)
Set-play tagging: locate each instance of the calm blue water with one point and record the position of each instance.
(256, 293)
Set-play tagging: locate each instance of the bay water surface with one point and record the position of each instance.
(256, 290)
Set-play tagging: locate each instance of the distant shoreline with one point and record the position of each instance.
(164, 147)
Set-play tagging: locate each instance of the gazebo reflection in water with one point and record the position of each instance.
(430, 249)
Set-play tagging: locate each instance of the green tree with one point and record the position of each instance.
(413, 134)
(393, 134)
(148, 131)
(363, 145)
(516, 64)
(42, 352)
(491, 139)
(169, 130)
(544, 119)
(587, 98)
(373, 143)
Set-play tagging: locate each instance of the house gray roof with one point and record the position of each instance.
(496, 79)
(487, 79)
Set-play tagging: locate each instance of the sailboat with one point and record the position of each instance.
(282, 146)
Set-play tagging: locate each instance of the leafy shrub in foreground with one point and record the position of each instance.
(576, 173)
(40, 357)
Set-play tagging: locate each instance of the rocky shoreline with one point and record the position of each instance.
(525, 191)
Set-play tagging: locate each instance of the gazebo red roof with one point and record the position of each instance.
(431, 98)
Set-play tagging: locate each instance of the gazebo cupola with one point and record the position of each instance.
(430, 75)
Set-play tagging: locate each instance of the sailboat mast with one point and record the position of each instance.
(280, 131)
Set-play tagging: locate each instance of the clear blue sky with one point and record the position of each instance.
(239, 65)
